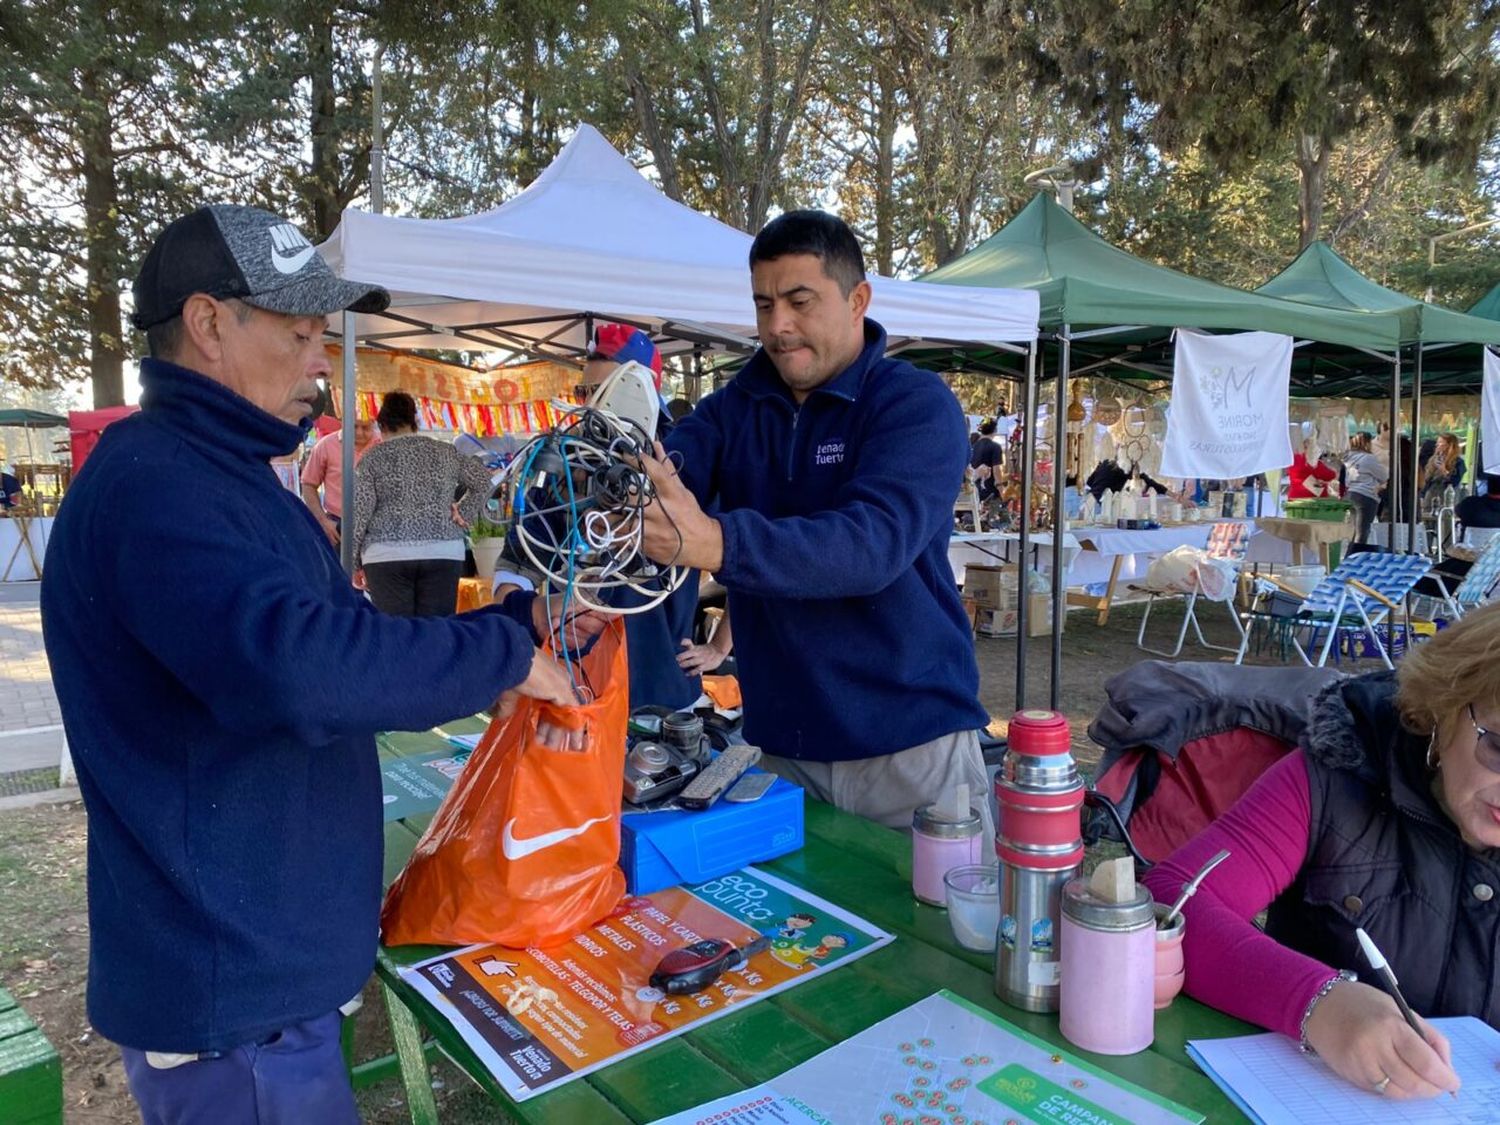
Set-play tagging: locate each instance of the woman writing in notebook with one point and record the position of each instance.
(1387, 819)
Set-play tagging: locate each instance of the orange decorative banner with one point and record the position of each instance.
(486, 403)
(381, 371)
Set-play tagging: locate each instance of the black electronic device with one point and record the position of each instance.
(683, 730)
(695, 967)
(718, 776)
(654, 771)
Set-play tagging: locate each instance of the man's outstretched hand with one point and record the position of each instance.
(677, 531)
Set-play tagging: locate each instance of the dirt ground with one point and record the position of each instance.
(43, 926)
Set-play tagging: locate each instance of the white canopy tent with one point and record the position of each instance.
(592, 238)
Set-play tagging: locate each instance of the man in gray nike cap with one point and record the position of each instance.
(194, 614)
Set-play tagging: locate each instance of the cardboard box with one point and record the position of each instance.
(1004, 622)
(991, 587)
(664, 849)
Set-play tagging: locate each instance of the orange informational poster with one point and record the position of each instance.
(539, 1017)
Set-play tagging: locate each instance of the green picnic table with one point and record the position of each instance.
(849, 861)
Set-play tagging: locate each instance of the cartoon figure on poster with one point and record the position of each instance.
(791, 927)
(798, 956)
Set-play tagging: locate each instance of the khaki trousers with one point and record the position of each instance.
(888, 789)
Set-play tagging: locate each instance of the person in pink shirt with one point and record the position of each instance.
(1387, 818)
(325, 467)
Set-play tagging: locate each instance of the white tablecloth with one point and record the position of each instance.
(10, 536)
(1089, 552)
(990, 548)
(1102, 545)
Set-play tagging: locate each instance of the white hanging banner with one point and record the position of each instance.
(1229, 406)
(1489, 413)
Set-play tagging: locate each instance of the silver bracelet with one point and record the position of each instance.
(1343, 975)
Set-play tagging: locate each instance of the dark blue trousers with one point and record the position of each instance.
(295, 1077)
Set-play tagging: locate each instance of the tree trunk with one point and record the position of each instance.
(323, 175)
(885, 172)
(1312, 170)
(656, 139)
(102, 244)
(731, 185)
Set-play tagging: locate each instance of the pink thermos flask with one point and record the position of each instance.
(1108, 970)
(1039, 842)
(944, 835)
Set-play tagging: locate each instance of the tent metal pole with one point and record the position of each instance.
(1028, 457)
(1416, 440)
(1395, 450)
(1059, 477)
(346, 425)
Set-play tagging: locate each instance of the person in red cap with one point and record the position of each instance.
(666, 667)
(614, 344)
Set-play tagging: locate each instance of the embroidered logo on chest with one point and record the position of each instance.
(829, 452)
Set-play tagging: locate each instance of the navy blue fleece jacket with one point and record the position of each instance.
(221, 684)
(851, 638)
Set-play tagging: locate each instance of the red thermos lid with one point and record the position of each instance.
(1038, 733)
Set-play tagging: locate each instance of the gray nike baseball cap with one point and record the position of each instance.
(226, 251)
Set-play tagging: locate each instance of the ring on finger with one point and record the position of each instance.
(1379, 1087)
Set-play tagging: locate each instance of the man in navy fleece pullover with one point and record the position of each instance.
(834, 471)
(192, 610)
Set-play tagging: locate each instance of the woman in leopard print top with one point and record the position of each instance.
(406, 539)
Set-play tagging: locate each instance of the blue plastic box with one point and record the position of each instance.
(663, 849)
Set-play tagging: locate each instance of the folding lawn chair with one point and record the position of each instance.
(1227, 541)
(1476, 585)
(1359, 595)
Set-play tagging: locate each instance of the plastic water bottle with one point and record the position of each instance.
(1039, 842)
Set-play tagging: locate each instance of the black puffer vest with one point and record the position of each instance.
(1383, 855)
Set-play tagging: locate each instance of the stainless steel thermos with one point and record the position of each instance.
(1039, 795)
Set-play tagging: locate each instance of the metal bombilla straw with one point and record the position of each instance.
(1190, 887)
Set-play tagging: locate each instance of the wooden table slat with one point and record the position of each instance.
(760, 1042)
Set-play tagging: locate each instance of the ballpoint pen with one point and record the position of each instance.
(1382, 969)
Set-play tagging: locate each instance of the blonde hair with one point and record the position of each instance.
(1438, 680)
(1444, 457)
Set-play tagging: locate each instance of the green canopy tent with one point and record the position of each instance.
(1113, 309)
(29, 420)
(1320, 276)
(1488, 306)
(1086, 283)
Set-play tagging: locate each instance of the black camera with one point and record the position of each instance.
(654, 771)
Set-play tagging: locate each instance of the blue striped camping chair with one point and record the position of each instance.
(1359, 595)
(1228, 541)
(1476, 585)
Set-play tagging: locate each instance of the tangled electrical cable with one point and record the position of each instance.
(578, 496)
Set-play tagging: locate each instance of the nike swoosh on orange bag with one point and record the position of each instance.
(515, 849)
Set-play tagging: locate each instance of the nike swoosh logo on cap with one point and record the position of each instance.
(515, 849)
(293, 262)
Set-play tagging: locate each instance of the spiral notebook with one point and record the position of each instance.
(1276, 1084)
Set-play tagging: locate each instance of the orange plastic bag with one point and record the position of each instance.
(723, 691)
(524, 849)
